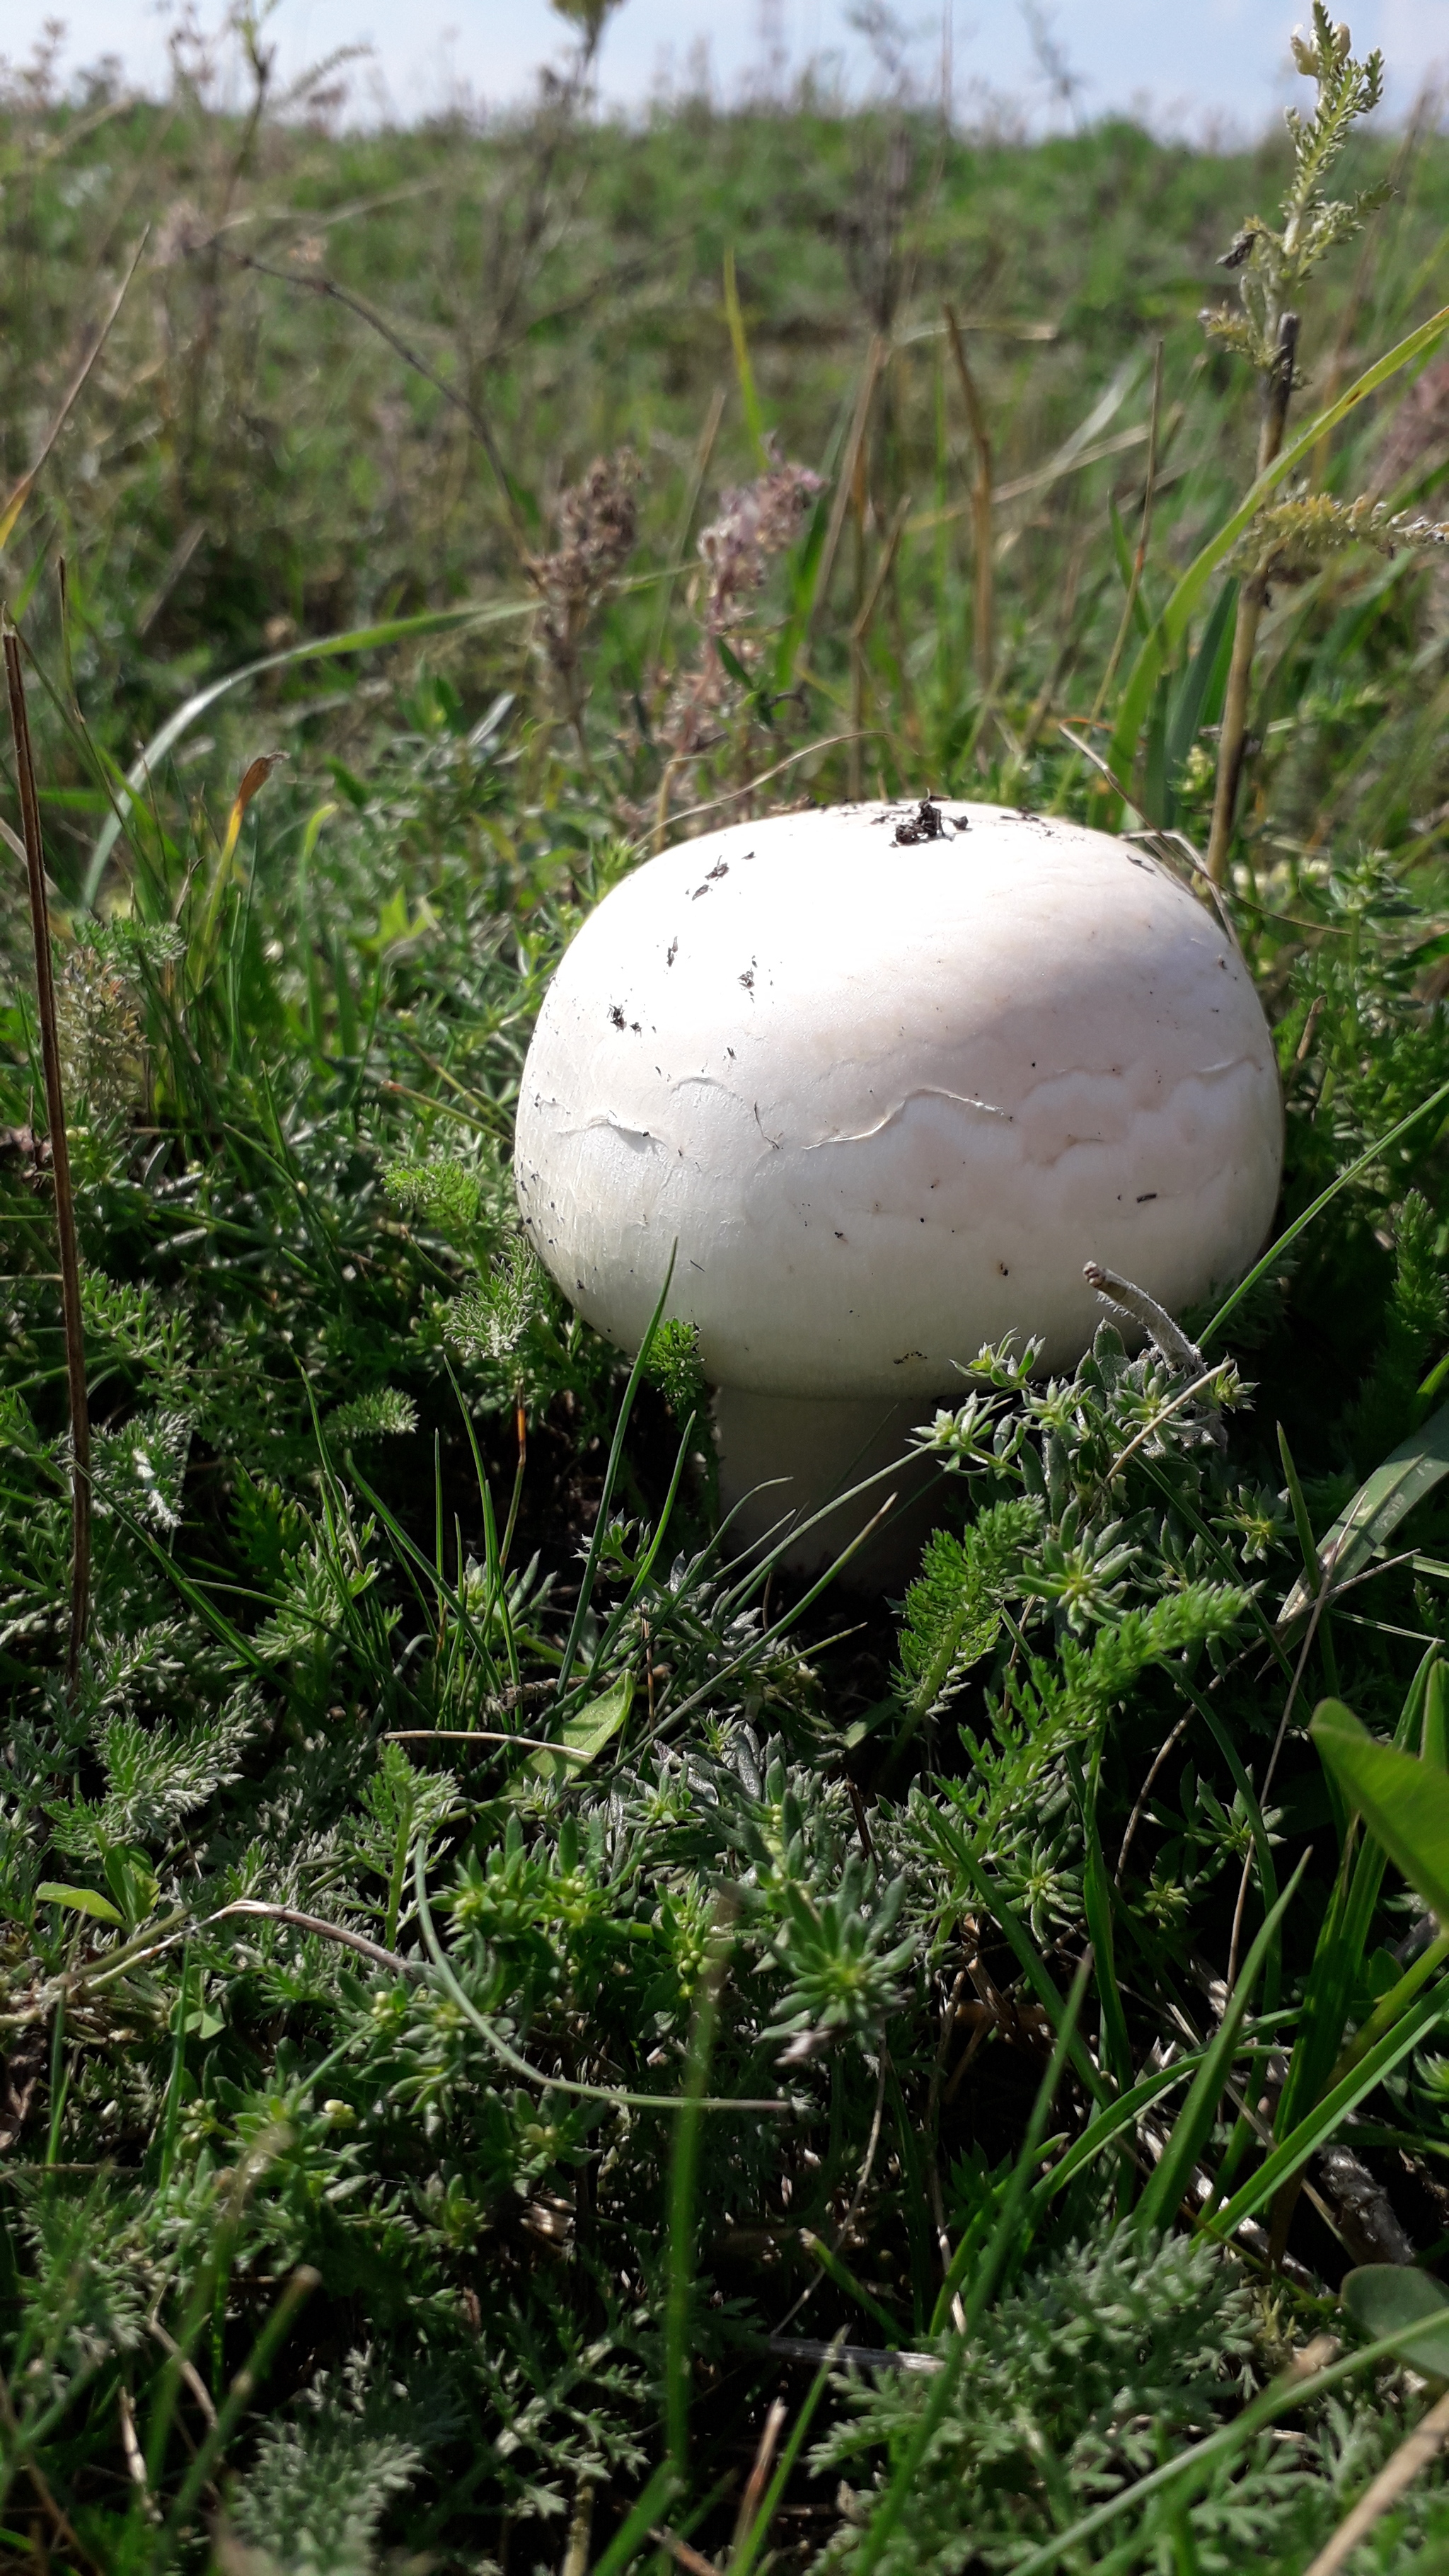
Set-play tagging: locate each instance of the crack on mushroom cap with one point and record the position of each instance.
(1117, 1096)
(922, 1091)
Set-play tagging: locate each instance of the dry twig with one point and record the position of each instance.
(75, 1350)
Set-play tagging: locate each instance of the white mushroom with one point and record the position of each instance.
(887, 1087)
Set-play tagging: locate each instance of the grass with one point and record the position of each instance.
(529, 2042)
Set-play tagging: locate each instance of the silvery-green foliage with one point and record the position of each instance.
(1071, 2386)
(385, 1413)
(321, 2482)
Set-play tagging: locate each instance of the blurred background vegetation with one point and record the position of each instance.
(354, 372)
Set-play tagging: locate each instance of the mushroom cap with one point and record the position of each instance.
(888, 1095)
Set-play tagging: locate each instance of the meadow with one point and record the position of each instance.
(531, 2040)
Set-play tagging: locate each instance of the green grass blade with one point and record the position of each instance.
(1409, 1472)
(616, 1452)
(1262, 1847)
(1403, 1800)
(1324, 1199)
(1109, 2126)
(683, 2193)
(629, 2539)
(744, 371)
(1326, 2116)
(1004, 1914)
(837, 2270)
(1171, 625)
(357, 639)
(1202, 683)
(1116, 2045)
(238, 2398)
(1340, 1950)
(1193, 2127)
(742, 2563)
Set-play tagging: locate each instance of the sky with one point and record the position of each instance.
(1190, 65)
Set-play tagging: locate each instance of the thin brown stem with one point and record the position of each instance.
(1145, 1792)
(859, 636)
(982, 504)
(75, 1348)
(751, 2500)
(1252, 600)
(875, 360)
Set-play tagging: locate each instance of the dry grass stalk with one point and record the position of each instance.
(859, 632)
(860, 423)
(1415, 2452)
(984, 635)
(1252, 600)
(75, 1354)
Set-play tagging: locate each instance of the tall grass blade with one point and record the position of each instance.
(358, 639)
(1171, 625)
(606, 1496)
(744, 372)
(1420, 1462)
(1169, 2182)
(1190, 2471)
(683, 2191)
(1003, 2243)
(1328, 2116)
(1324, 1199)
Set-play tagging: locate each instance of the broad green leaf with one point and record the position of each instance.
(1402, 1800)
(201, 2022)
(1408, 1473)
(78, 1900)
(1384, 2297)
(1342, 1945)
(585, 1736)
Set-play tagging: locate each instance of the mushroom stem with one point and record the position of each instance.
(782, 1457)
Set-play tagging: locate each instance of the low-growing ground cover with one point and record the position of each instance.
(493, 1988)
